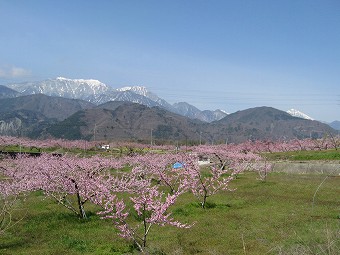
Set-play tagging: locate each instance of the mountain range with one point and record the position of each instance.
(98, 93)
(89, 109)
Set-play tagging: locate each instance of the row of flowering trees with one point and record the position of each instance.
(152, 184)
(73, 144)
(327, 142)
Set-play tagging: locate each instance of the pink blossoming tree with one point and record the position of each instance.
(61, 177)
(149, 203)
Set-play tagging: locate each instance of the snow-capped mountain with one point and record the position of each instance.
(140, 90)
(98, 93)
(125, 95)
(63, 87)
(299, 114)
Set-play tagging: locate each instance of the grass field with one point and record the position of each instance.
(305, 155)
(273, 217)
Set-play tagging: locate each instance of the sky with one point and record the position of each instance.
(214, 54)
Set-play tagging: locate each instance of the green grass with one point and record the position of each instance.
(272, 217)
(304, 155)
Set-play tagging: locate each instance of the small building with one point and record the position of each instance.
(105, 146)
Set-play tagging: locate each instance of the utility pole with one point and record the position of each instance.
(94, 132)
(20, 135)
(151, 136)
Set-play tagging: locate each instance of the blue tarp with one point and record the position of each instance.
(177, 165)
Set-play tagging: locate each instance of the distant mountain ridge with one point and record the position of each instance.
(98, 93)
(267, 123)
(6, 92)
(51, 107)
(30, 115)
(41, 116)
(335, 125)
(135, 122)
(126, 121)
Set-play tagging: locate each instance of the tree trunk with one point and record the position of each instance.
(82, 213)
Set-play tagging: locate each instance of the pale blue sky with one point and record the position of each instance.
(230, 55)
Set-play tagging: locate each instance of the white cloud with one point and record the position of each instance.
(13, 72)
(19, 72)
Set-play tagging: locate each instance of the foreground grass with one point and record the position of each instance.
(273, 217)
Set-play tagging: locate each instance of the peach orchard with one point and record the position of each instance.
(146, 183)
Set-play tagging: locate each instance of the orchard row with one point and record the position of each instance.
(328, 142)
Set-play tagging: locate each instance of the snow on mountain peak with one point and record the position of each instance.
(124, 89)
(223, 111)
(141, 90)
(299, 114)
(90, 82)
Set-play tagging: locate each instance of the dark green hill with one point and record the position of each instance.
(24, 123)
(51, 107)
(42, 116)
(267, 123)
(128, 121)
